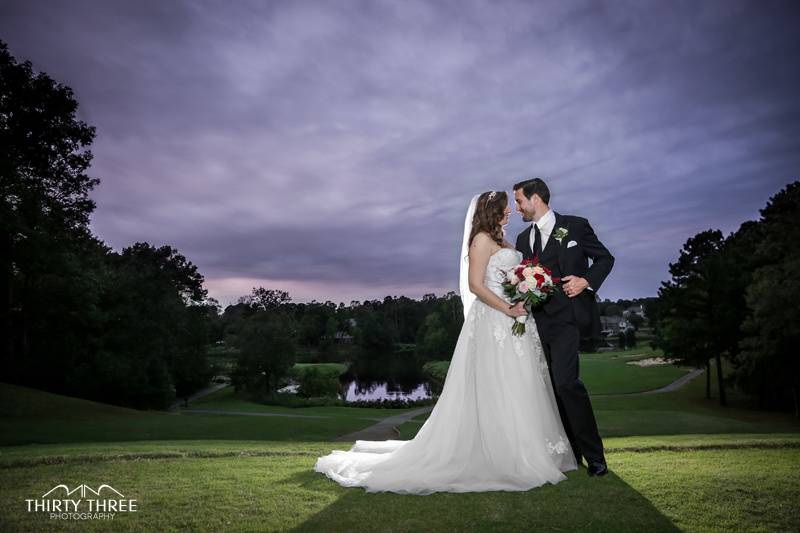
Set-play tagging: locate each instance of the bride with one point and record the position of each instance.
(495, 425)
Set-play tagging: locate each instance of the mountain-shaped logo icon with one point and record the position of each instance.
(83, 490)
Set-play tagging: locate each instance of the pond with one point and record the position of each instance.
(355, 390)
(389, 377)
(378, 378)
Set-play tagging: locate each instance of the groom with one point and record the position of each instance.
(564, 244)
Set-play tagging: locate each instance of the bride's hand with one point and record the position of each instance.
(517, 310)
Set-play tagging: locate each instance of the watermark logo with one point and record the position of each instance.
(82, 503)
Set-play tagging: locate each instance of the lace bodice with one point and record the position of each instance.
(499, 263)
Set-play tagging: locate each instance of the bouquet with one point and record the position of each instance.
(531, 283)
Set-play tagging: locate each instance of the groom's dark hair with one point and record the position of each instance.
(534, 186)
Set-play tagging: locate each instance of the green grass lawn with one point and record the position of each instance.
(333, 369)
(612, 373)
(678, 462)
(226, 400)
(746, 488)
(31, 416)
(609, 372)
(685, 411)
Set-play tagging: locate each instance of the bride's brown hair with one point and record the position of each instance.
(489, 211)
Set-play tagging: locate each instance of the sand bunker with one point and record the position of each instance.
(651, 361)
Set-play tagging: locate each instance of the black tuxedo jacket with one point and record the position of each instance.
(566, 260)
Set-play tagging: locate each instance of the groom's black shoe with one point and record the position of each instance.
(597, 469)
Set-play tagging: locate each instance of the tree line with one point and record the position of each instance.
(268, 333)
(734, 300)
(78, 318)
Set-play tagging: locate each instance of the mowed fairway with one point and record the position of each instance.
(611, 372)
(678, 461)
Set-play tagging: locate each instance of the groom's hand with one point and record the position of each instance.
(574, 285)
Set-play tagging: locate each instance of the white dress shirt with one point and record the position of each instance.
(546, 225)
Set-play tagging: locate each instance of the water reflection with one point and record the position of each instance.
(387, 378)
(371, 390)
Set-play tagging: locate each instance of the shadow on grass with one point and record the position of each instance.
(578, 504)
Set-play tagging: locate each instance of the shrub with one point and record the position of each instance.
(314, 382)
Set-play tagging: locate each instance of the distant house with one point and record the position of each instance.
(612, 325)
(634, 310)
(342, 337)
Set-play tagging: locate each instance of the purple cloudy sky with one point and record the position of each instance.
(330, 148)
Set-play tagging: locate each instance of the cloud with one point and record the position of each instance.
(333, 147)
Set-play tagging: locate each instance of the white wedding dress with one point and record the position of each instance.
(495, 425)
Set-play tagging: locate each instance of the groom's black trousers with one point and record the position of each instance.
(560, 340)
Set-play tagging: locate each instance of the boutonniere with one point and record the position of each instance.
(559, 234)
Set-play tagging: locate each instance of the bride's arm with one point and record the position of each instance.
(479, 253)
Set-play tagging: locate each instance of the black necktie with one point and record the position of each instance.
(537, 242)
